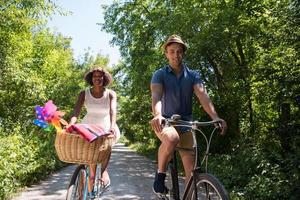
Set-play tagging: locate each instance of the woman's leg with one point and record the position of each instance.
(104, 172)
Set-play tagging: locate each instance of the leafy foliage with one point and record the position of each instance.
(25, 159)
(35, 66)
(248, 56)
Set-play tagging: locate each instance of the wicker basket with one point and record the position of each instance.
(71, 148)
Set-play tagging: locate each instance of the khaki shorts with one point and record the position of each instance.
(186, 139)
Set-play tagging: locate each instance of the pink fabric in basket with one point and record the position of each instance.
(88, 131)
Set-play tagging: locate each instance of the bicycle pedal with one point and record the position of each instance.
(162, 197)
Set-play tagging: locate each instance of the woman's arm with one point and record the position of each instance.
(113, 109)
(78, 106)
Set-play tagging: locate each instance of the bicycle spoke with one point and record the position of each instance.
(207, 192)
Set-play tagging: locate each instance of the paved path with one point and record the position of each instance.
(131, 176)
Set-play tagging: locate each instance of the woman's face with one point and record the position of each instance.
(98, 78)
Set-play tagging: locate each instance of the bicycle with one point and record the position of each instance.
(78, 187)
(201, 185)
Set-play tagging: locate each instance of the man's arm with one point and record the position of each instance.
(156, 93)
(205, 101)
(207, 104)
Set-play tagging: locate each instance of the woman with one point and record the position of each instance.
(101, 106)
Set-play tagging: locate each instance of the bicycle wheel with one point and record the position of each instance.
(77, 184)
(208, 187)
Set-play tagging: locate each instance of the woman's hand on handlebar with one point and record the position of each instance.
(112, 130)
(72, 121)
(156, 123)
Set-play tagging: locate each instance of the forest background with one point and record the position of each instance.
(247, 52)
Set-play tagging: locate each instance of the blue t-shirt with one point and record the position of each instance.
(177, 92)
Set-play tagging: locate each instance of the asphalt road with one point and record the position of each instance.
(131, 176)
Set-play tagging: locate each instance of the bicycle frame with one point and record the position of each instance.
(196, 169)
(85, 192)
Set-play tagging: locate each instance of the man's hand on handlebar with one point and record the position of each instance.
(222, 125)
(156, 123)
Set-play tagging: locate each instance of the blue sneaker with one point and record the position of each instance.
(159, 187)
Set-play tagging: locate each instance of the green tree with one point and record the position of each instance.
(35, 66)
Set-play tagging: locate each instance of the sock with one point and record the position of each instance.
(160, 172)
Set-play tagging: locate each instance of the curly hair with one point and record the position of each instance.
(107, 78)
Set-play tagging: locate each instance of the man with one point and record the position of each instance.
(172, 89)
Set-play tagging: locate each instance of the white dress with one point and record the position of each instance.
(98, 111)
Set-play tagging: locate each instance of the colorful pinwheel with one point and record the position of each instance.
(48, 115)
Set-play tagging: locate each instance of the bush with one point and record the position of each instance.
(258, 170)
(25, 159)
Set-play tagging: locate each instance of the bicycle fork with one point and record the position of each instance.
(195, 172)
(85, 193)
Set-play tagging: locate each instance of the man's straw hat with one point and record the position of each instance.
(174, 39)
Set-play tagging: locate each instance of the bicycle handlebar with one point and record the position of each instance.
(176, 119)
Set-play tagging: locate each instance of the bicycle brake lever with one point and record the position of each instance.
(219, 126)
(164, 123)
(176, 117)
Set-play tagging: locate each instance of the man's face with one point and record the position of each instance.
(174, 53)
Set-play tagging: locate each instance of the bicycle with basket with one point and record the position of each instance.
(72, 148)
(76, 149)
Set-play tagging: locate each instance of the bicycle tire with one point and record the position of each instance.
(208, 187)
(73, 189)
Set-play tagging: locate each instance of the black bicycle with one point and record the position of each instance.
(202, 185)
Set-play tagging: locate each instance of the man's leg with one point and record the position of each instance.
(188, 160)
(187, 157)
(169, 139)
